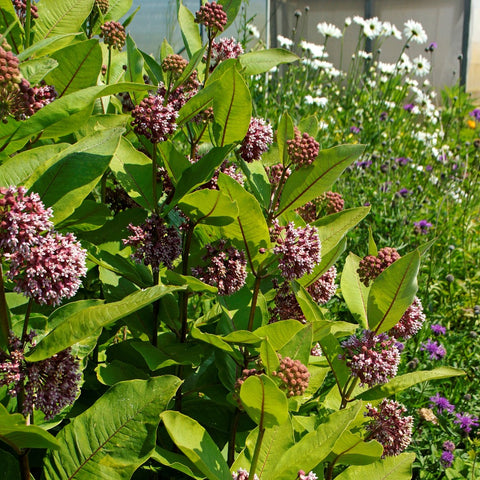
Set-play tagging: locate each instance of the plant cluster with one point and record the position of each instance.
(173, 250)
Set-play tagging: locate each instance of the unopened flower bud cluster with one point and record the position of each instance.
(302, 149)
(113, 34)
(294, 376)
(372, 266)
(213, 16)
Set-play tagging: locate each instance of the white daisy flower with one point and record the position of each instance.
(414, 32)
(322, 125)
(348, 21)
(364, 54)
(387, 68)
(390, 30)
(284, 41)
(372, 27)
(253, 30)
(317, 51)
(329, 30)
(421, 66)
(359, 20)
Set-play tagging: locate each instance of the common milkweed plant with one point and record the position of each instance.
(167, 262)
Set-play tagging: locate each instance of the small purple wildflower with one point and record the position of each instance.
(404, 192)
(441, 403)
(475, 114)
(408, 107)
(354, 129)
(446, 459)
(402, 161)
(422, 227)
(385, 187)
(428, 168)
(435, 349)
(383, 116)
(466, 421)
(438, 329)
(433, 46)
(363, 164)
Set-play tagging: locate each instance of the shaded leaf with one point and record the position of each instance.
(177, 462)
(190, 30)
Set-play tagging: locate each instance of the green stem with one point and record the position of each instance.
(27, 318)
(5, 326)
(103, 187)
(156, 309)
(256, 454)
(28, 23)
(109, 63)
(154, 177)
(256, 289)
(209, 55)
(346, 397)
(233, 434)
(25, 465)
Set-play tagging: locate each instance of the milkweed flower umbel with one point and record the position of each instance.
(294, 376)
(154, 243)
(302, 149)
(213, 16)
(113, 34)
(389, 427)
(373, 359)
(411, 321)
(372, 266)
(258, 139)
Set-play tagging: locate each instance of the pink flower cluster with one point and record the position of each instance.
(154, 243)
(21, 10)
(389, 427)
(213, 16)
(242, 474)
(372, 266)
(258, 139)
(411, 321)
(302, 149)
(299, 249)
(225, 268)
(373, 359)
(294, 376)
(45, 265)
(223, 49)
(49, 385)
(153, 119)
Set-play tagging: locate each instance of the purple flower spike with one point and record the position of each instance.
(446, 459)
(435, 349)
(422, 227)
(475, 114)
(441, 403)
(438, 329)
(466, 421)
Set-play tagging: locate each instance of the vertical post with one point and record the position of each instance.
(467, 13)
(268, 11)
(368, 13)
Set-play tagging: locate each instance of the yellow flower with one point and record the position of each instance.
(471, 124)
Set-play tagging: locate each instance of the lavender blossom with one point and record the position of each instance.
(422, 227)
(475, 114)
(441, 403)
(438, 329)
(436, 350)
(466, 421)
(446, 459)
(389, 427)
(373, 359)
(449, 446)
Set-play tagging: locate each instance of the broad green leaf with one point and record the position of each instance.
(307, 183)
(354, 292)
(351, 449)
(231, 8)
(79, 65)
(193, 284)
(194, 441)
(117, 9)
(269, 357)
(134, 71)
(258, 181)
(309, 125)
(298, 347)
(63, 116)
(276, 440)
(133, 171)
(118, 371)
(310, 309)
(262, 61)
(213, 340)
(7, 17)
(46, 46)
(279, 333)
(264, 402)
(10, 467)
(232, 108)
(285, 132)
(209, 206)
(197, 104)
(177, 462)
(402, 382)
(15, 433)
(200, 172)
(314, 447)
(64, 181)
(393, 468)
(250, 226)
(16, 170)
(190, 30)
(372, 246)
(242, 337)
(85, 322)
(56, 17)
(35, 70)
(153, 69)
(392, 292)
(88, 216)
(62, 313)
(116, 435)
(174, 161)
